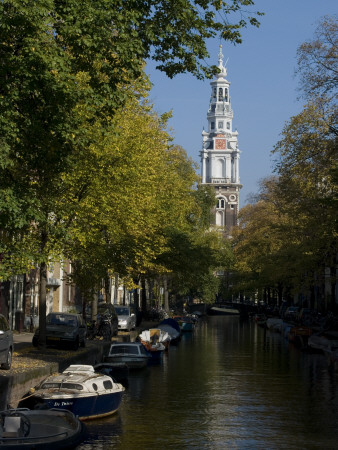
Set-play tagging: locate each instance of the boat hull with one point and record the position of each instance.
(131, 362)
(187, 326)
(85, 407)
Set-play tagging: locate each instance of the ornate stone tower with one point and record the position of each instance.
(220, 154)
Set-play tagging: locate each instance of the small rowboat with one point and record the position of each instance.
(53, 429)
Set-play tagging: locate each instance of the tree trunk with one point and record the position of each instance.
(143, 295)
(42, 305)
(166, 293)
(124, 295)
(94, 306)
(116, 288)
(136, 296)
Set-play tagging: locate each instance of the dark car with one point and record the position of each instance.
(64, 330)
(6, 344)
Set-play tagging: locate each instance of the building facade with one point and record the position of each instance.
(220, 153)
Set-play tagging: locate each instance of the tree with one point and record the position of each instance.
(289, 235)
(317, 62)
(138, 186)
(65, 68)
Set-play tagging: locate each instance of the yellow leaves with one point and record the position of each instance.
(82, 78)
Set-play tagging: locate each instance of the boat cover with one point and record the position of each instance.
(172, 322)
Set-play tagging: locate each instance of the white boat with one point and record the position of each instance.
(155, 341)
(322, 343)
(174, 333)
(53, 429)
(155, 338)
(274, 324)
(223, 310)
(79, 389)
(133, 354)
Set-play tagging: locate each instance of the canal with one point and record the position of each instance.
(229, 384)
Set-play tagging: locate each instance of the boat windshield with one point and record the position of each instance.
(131, 350)
(76, 386)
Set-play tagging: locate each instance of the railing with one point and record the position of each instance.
(220, 180)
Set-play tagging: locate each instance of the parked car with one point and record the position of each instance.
(126, 316)
(64, 330)
(6, 344)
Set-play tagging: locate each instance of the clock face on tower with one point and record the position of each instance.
(220, 144)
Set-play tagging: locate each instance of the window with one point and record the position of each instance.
(228, 125)
(225, 95)
(220, 124)
(73, 386)
(220, 218)
(220, 203)
(108, 384)
(220, 94)
(212, 125)
(214, 92)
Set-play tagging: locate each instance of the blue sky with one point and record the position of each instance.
(263, 86)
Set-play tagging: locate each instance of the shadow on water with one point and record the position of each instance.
(229, 384)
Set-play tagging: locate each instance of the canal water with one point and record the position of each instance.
(228, 385)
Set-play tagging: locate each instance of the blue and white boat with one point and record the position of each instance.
(172, 327)
(81, 390)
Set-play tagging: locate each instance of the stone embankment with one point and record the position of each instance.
(31, 365)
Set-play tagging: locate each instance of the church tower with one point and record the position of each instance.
(220, 154)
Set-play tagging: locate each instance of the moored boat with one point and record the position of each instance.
(274, 324)
(322, 343)
(223, 310)
(186, 323)
(54, 429)
(172, 327)
(150, 339)
(260, 319)
(133, 354)
(80, 389)
(299, 335)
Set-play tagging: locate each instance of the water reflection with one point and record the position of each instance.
(230, 384)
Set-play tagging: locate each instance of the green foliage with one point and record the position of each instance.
(289, 236)
(66, 67)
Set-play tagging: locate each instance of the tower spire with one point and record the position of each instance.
(222, 68)
(220, 58)
(220, 153)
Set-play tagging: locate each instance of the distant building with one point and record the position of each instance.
(220, 153)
